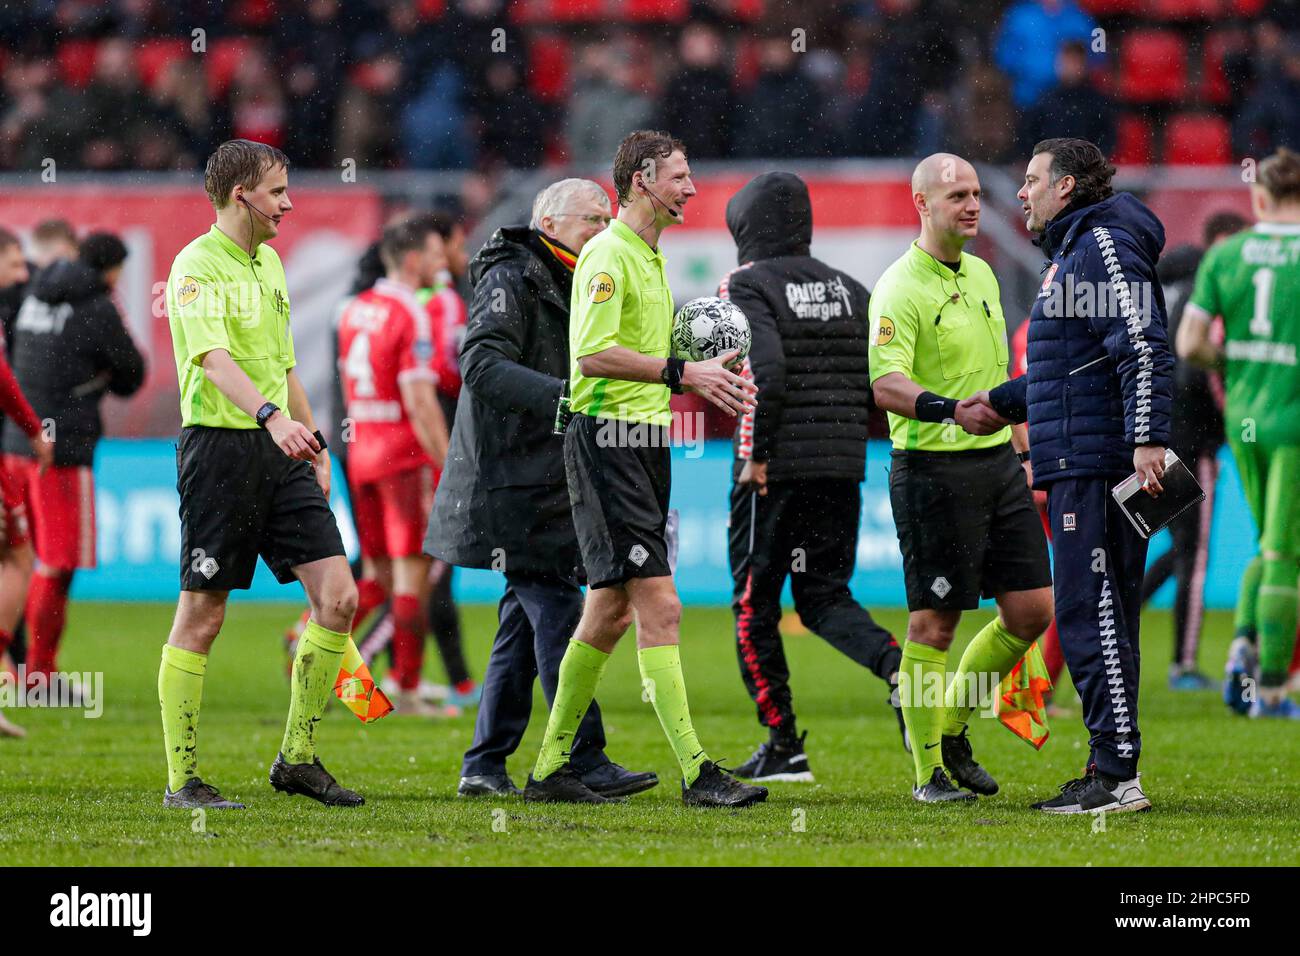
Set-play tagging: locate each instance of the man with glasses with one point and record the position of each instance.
(503, 502)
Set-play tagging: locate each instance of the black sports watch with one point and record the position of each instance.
(265, 412)
(672, 374)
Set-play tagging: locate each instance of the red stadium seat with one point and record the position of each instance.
(548, 66)
(746, 67)
(222, 60)
(1214, 82)
(76, 60)
(670, 11)
(1133, 145)
(1152, 66)
(1185, 9)
(432, 9)
(153, 57)
(747, 9)
(1248, 8)
(1198, 139)
(581, 10)
(1110, 8)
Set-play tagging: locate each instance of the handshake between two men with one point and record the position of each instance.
(977, 416)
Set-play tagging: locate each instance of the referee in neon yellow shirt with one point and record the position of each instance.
(616, 458)
(965, 518)
(252, 472)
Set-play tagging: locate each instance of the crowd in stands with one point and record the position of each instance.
(484, 84)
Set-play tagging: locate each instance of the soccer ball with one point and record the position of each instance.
(709, 326)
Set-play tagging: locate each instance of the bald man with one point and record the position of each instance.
(959, 481)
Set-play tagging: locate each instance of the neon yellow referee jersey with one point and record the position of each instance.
(217, 298)
(945, 331)
(620, 297)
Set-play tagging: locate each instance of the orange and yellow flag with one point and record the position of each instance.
(1020, 698)
(357, 690)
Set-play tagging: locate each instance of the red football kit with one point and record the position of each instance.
(386, 337)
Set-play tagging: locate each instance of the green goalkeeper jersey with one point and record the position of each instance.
(1252, 279)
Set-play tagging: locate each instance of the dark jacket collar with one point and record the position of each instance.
(1122, 211)
(519, 244)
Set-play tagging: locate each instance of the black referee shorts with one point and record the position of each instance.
(242, 497)
(967, 527)
(619, 480)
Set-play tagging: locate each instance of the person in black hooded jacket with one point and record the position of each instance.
(70, 348)
(800, 459)
(503, 501)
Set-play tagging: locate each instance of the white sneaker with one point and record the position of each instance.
(408, 703)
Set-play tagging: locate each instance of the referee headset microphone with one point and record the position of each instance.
(252, 209)
(675, 213)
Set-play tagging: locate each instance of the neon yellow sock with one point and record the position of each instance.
(920, 686)
(315, 671)
(580, 672)
(662, 682)
(989, 657)
(180, 691)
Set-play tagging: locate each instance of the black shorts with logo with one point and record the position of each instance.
(619, 477)
(241, 498)
(967, 527)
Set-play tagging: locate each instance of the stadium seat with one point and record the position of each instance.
(1184, 9)
(1248, 8)
(747, 9)
(76, 60)
(222, 60)
(746, 68)
(670, 11)
(1111, 8)
(1152, 66)
(548, 66)
(153, 57)
(571, 10)
(1214, 82)
(1133, 142)
(1197, 139)
(432, 9)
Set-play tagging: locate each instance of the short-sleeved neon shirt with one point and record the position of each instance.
(620, 297)
(945, 331)
(217, 298)
(1252, 279)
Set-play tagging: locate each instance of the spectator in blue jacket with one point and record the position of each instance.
(1097, 397)
(1030, 34)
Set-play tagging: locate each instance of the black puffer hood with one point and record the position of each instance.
(66, 281)
(771, 216)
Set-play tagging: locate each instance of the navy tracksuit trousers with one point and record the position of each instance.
(1098, 563)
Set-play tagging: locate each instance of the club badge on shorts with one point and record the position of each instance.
(1067, 521)
(941, 586)
(638, 555)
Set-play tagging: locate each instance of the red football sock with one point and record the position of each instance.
(370, 594)
(47, 605)
(408, 640)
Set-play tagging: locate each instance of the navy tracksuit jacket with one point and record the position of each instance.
(1100, 381)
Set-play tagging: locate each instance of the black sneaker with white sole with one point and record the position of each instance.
(197, 795)
(777, 760)
(940, 790)
(714, 787)
(1097, 793)
(959, 760)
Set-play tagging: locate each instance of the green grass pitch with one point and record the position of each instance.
(79, 791)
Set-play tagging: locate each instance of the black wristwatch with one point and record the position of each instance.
(1023, 455)
(265, 412)
(672, 374)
